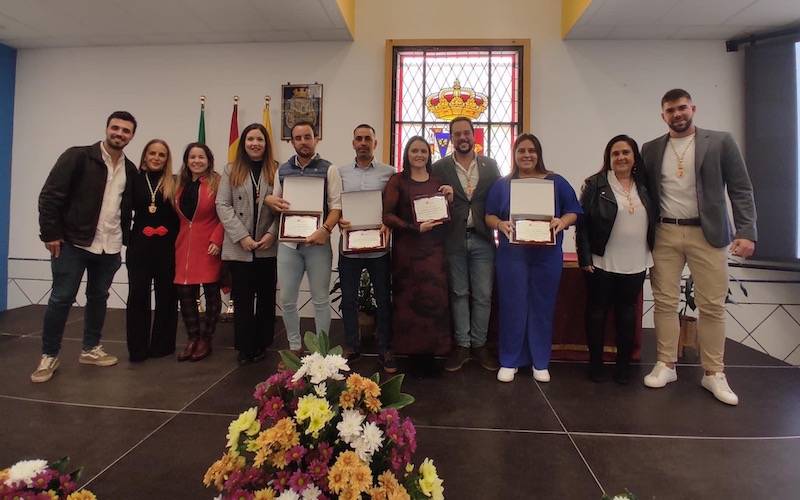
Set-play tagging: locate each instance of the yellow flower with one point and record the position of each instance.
(3, 475)
(347, 400)
(373, 404)
(53, 494)
(316, 410)
(429, 482)
(248, 423)
(221, 469)
(82, 495)
(273, 443)
(265, 494)
(409, 468)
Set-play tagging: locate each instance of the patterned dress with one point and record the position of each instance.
(421, 310)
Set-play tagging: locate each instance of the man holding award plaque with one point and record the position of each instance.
(308, 198)
(365, 243)
(469, 246)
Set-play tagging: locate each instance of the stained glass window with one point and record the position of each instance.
(432, 85)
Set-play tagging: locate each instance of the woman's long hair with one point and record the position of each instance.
(407, 164)
(185, 176)
(167, 179)
(638, 162)
(240, 167)
(539, 167)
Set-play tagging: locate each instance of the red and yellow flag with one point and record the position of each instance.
(233, 137)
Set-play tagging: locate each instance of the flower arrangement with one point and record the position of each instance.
(320, 433)
(40, 480)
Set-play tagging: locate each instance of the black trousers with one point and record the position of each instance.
(156, 266)
(606, 291)
(253, 293)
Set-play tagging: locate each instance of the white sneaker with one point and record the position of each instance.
(44, 372)
(718, 385)
(98, 357)
(506, 374)
(541, 375)
(660, 376)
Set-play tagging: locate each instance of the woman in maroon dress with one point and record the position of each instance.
(421, 317)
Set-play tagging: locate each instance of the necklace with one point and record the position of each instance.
(680, 157)
(256, 183)
(152, 206)
(627, 192)
(468, 174)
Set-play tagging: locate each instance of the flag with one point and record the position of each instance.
(201, 131)
(266, 121)
(233, 138)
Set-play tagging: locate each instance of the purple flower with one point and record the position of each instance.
(318, 469)
(295, 454)
(281, 481)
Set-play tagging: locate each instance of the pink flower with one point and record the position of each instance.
(295, 454)
(318, 469)
(300, 481)
(281, 481)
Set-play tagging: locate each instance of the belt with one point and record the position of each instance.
(680, 222)
(471, 230)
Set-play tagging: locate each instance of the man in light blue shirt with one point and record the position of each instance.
(365, 173)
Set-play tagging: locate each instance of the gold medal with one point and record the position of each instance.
(151, 208)
(679, 157)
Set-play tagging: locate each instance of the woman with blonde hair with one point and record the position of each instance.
(197, 249)
(249, 247)
(150, 257)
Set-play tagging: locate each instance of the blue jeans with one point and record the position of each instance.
(316, 260)
(379, 270)
(471, 274)
(68, 271)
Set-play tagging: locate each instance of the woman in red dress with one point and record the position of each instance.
(421, 311)
(197, 260)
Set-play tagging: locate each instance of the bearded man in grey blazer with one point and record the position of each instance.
(469, 246)
(688, 172)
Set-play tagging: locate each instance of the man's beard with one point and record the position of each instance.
(687, 126)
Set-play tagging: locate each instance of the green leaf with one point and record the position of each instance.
(311, 341)
(376, 377)
(76, 474)
(291, 361)
(336, 350)
(391, 397)
(324, 343)
(60, 465)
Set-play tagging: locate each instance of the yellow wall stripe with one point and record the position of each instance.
(571, 12)
(348, 10)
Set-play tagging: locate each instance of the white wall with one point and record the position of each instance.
(583, 93)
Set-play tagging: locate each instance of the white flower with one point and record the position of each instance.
(288, 495)
(25, 471)
(368, 443)
(321, 389)
(319, 368)
(311, 492)
(350, 426)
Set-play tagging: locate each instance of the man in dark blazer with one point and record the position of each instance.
(469, 246)
(84, 219)
(688, 172)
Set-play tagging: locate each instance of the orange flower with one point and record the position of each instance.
(221, 469)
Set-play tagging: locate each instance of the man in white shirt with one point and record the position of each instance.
(689, 170)
(84, 219)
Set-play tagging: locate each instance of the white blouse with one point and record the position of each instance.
(626, 251)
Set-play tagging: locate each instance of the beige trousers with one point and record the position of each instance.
(675, 247)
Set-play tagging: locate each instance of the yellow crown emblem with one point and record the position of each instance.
(300, 92)
(453, 102)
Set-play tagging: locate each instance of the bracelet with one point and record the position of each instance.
(325, 225)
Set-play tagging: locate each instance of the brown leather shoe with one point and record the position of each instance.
(485, 357)
(203, 349)
(457, 358)
(188, 350)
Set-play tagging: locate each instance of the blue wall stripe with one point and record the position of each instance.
(8, 70)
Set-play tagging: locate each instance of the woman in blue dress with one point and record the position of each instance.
(528, 276)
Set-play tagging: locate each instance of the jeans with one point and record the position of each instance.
(68, 271)
(316, 260)
(379, 270)
(471, 271)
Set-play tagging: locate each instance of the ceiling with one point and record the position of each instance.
(682, 19)
(81, 23)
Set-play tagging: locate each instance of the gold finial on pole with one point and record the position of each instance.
(236, 99)
(267, 99)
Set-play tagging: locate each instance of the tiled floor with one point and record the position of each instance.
(150, 430)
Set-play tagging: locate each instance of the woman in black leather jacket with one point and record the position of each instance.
(615, 235)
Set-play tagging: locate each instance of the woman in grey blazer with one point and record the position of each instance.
(249, 247)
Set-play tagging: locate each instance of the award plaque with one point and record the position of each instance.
(432, 208)
(532, 209)
(306, 196)
(364, 211)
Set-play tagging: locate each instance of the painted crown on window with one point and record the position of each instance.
(454, 102)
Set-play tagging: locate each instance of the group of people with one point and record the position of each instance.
(660, 209)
